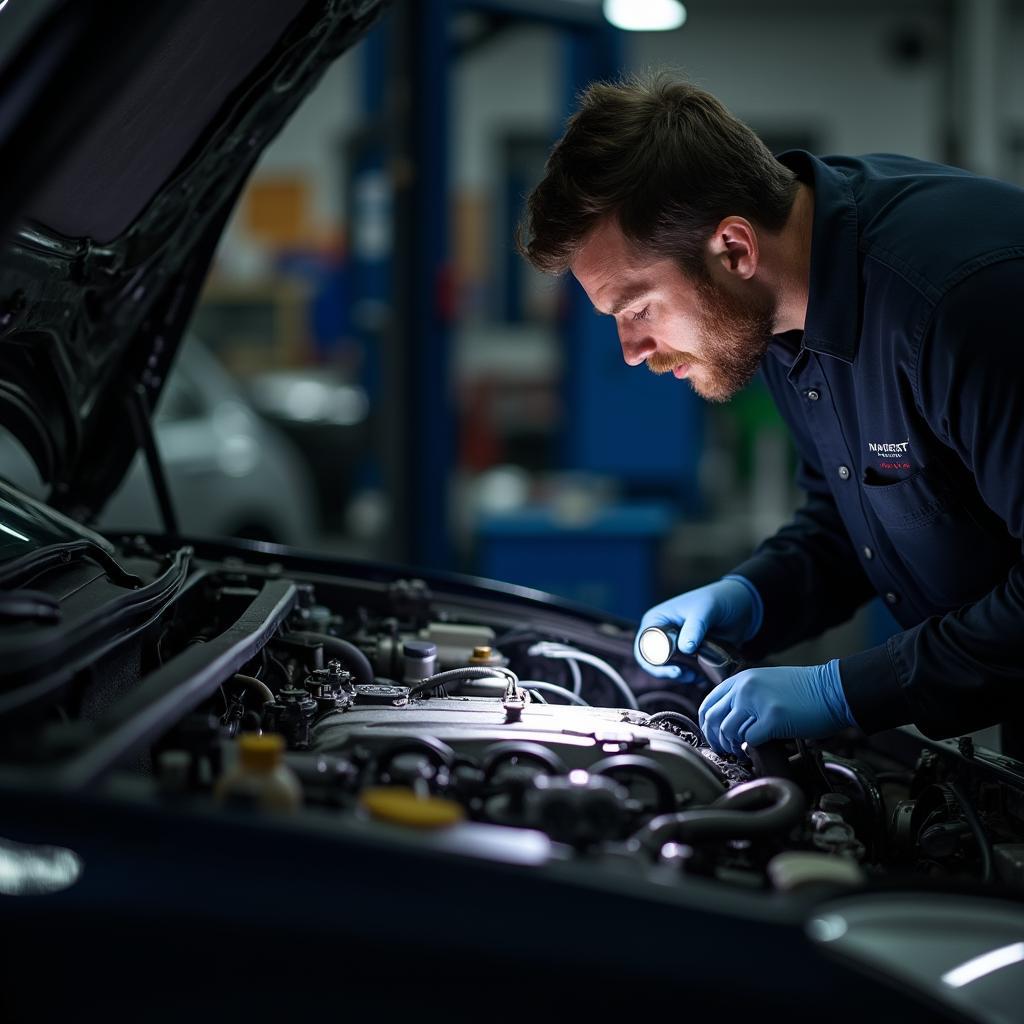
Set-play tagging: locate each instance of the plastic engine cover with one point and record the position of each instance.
(578, 736)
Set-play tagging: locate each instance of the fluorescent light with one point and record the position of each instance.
(985, 964)
(645, 15)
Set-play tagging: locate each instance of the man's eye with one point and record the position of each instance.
(642, 315)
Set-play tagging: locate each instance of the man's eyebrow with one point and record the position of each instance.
(626, 299)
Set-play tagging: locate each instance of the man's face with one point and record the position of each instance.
(701, 330)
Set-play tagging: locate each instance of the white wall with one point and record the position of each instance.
(830, 72)
(310, 144)
(311, 141)
(514, 84)
(823, 67)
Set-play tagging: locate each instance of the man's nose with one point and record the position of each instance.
(636, 350)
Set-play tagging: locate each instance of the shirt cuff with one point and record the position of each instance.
(757, 605)
(761, 573)
(873, 690)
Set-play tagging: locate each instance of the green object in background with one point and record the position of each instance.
(753, 412)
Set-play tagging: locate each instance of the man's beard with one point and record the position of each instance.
(734, 337)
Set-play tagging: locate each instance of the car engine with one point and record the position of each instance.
(395, 704)
(266, 757)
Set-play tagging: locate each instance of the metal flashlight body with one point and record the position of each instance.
(657, 645)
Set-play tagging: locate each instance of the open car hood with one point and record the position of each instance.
(126, 134)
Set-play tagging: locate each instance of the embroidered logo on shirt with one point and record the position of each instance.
(893, 454)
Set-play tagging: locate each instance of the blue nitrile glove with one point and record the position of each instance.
(763, 704)
(729, 610)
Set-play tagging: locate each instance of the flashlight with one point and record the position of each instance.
(657, 646)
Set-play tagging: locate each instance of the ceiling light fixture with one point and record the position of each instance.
(645, 15)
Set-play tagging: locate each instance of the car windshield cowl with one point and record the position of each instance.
(29, 527)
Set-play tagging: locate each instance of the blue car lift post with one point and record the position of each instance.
(417, 442)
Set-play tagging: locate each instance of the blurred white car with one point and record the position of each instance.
(230, 473)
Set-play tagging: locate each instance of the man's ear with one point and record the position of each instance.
(733, 247)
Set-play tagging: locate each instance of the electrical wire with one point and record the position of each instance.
(566, 653)
(577, 676)
(280, 669)
(424, 686)
(554, 688)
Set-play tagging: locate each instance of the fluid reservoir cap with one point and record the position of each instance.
(421, 649)
(656, 645)
(399, 805)
(260, 753)
(485, 656)
(381, 693)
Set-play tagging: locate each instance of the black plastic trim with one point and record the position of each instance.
(177, 687)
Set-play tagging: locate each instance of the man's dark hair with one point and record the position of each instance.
(665, 158)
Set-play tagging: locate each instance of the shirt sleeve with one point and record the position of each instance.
(811, 556)
(964, 670)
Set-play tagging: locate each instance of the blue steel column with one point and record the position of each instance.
(422, 298)
(592, 52)
(644, 430)
(371, 245)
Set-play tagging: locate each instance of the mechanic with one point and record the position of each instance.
(881, 297)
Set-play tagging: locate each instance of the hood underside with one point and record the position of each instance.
(126, 173)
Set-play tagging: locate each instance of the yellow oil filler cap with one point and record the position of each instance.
(399, 805)
(260, 753)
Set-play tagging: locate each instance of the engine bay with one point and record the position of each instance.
(391, 703)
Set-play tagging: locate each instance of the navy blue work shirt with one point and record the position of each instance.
(905, 396)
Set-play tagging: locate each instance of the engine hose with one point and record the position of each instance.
(867, 786)
(761, 807)
(252, 683)
(342, 650)
(542, 687)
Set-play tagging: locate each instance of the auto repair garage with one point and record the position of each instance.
(507, 503)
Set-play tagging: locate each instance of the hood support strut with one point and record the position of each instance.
(142, 427)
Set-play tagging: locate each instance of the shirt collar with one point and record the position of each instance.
(833, 318)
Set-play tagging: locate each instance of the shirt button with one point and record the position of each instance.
(844, 472)
(868, 553)
(891, 597)
(813, 395)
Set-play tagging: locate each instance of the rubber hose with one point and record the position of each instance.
(255, 684)
(761, 807)
(770, 760)
(347, 653)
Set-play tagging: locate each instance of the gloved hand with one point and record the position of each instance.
(729, 610)
(763, 704)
